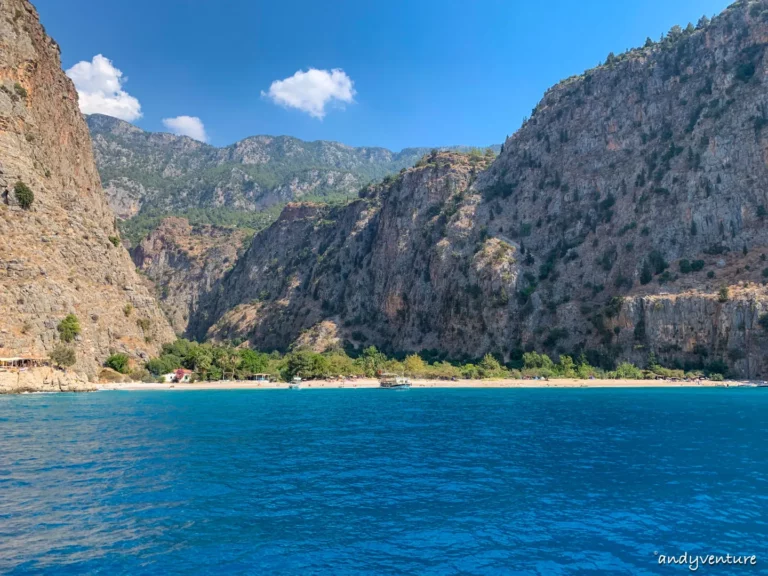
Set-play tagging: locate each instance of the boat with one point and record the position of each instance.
(295, 383)
(394, 382)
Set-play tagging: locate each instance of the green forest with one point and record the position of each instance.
(213, 362)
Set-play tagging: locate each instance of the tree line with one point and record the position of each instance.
(214, 362)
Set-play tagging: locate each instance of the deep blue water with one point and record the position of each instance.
(382, 482)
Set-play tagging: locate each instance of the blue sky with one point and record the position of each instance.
(415, 73)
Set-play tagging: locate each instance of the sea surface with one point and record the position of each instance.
(514, 481)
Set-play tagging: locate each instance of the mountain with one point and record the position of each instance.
(225, 194)
(625, 220)
(60, 253)
(185, 261)
(158, 172)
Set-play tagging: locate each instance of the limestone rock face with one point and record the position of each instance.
(56, 257)
(691, 324)
(627, 216)
(366, 266)
(185, 262)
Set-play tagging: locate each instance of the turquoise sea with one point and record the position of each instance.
(382, 482)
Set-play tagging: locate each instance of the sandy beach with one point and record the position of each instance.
(373, 383)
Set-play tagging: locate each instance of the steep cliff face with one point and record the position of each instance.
(156, 171)
(656, 159)
(377, 269)
(185, 262)
(56, 257)
(626, 216)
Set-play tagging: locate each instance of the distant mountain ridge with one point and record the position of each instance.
(148, 171)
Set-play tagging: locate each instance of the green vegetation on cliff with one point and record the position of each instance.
(138, 227)
(24, 196)
(63, 356)
(69, 328)
(148, 176)
(118, 363)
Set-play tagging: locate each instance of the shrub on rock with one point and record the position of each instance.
(24, 196)
(63, 356)
(118, 363)
(69, 328)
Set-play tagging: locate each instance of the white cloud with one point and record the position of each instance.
(312, 90)
(100, 88)
(190, 126)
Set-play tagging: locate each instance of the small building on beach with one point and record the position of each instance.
(22, 362)
(182, 376)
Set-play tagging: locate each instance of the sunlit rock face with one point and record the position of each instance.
(60, 255)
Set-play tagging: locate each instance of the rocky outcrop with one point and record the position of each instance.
(58, 254)
(184, 262)
(626, 217)
(697, 327)
(43, 380)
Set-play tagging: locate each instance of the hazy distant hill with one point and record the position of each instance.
(149, 172)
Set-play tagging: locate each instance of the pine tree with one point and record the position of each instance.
(675, 32)
(646, 275)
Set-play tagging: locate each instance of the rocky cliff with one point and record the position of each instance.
(43, 380)
(162, 172)
(367, 267)
(626, 217)
(185, 262)
(58, 252)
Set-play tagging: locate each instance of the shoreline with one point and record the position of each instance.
(368, 383)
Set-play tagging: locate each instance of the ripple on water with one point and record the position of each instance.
(365, 481)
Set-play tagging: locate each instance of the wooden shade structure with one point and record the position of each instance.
(22, 362)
